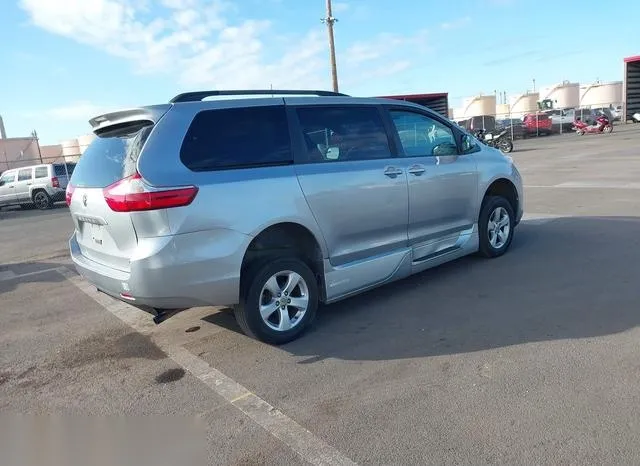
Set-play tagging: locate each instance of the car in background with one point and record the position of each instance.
(486, 123)
(39, 185)
(537, 124)
(561, 119)
(514, 126)
(606, 111)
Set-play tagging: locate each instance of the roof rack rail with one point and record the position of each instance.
(200, 95)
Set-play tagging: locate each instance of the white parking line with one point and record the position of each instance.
(584, 185)
(10, 275)
(539, 219)
(297, 438)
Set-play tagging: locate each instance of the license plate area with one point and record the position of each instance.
(92, 228)
(96, 233)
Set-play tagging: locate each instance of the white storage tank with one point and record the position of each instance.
(524, 103)
(84, 141)
(563, 95)
(458, 114)
(479, 105)
(601, 94)
(70, 150)
(503, 111)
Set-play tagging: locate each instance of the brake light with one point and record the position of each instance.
(69, 193)
(54, 182)
(132, 194)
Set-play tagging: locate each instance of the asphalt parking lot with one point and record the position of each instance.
(533, 358)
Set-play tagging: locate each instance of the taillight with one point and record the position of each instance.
(132, 194)
(69, 193)
(54, 182)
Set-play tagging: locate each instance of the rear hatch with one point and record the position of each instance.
(63, 173)
(105, 236)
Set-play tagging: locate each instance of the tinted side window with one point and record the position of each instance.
(41, 172)
(237, 138)
(25, 174)
(343, 134)
(423, 136)
(8, 178)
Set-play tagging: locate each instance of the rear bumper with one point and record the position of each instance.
(173, 272)
(57, 195)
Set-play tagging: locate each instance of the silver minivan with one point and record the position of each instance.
(275, 201)
(38, 185)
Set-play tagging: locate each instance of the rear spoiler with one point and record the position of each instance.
(152, 114)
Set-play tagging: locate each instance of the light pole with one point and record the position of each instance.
(329, 20)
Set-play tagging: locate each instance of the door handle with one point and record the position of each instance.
(417, 170)
(392, 172)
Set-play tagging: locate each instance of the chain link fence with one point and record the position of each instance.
(535, 124)
(38, 183)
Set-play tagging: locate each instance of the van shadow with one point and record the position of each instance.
(13, 275)
(563, 279)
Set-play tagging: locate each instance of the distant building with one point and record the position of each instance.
(18, 152)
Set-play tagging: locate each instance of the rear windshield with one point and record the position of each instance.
(111, 157)
(61, 170)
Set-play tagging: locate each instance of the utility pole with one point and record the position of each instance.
(35, 136)
(329, 20)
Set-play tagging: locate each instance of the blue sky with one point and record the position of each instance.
(62, 62)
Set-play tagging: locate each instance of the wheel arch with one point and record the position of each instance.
(286, 237)
(504, 187)
(36, 189)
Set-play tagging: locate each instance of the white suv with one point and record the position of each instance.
(39, 185)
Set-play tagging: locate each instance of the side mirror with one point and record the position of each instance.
(446, 148)
(2, 182)
(329, 152)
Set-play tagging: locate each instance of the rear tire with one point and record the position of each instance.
(495, 226)
(506, 146)
(42, 200)
(269, 310)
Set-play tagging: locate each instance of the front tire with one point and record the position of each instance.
(279, 301)
(495, 226)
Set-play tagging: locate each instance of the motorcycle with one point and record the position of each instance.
(602, 125)
(499, 141)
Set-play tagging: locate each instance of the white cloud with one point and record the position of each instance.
(340, 7)
(75, 111)
(195, 43)
(384, 45)
(456, 24)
